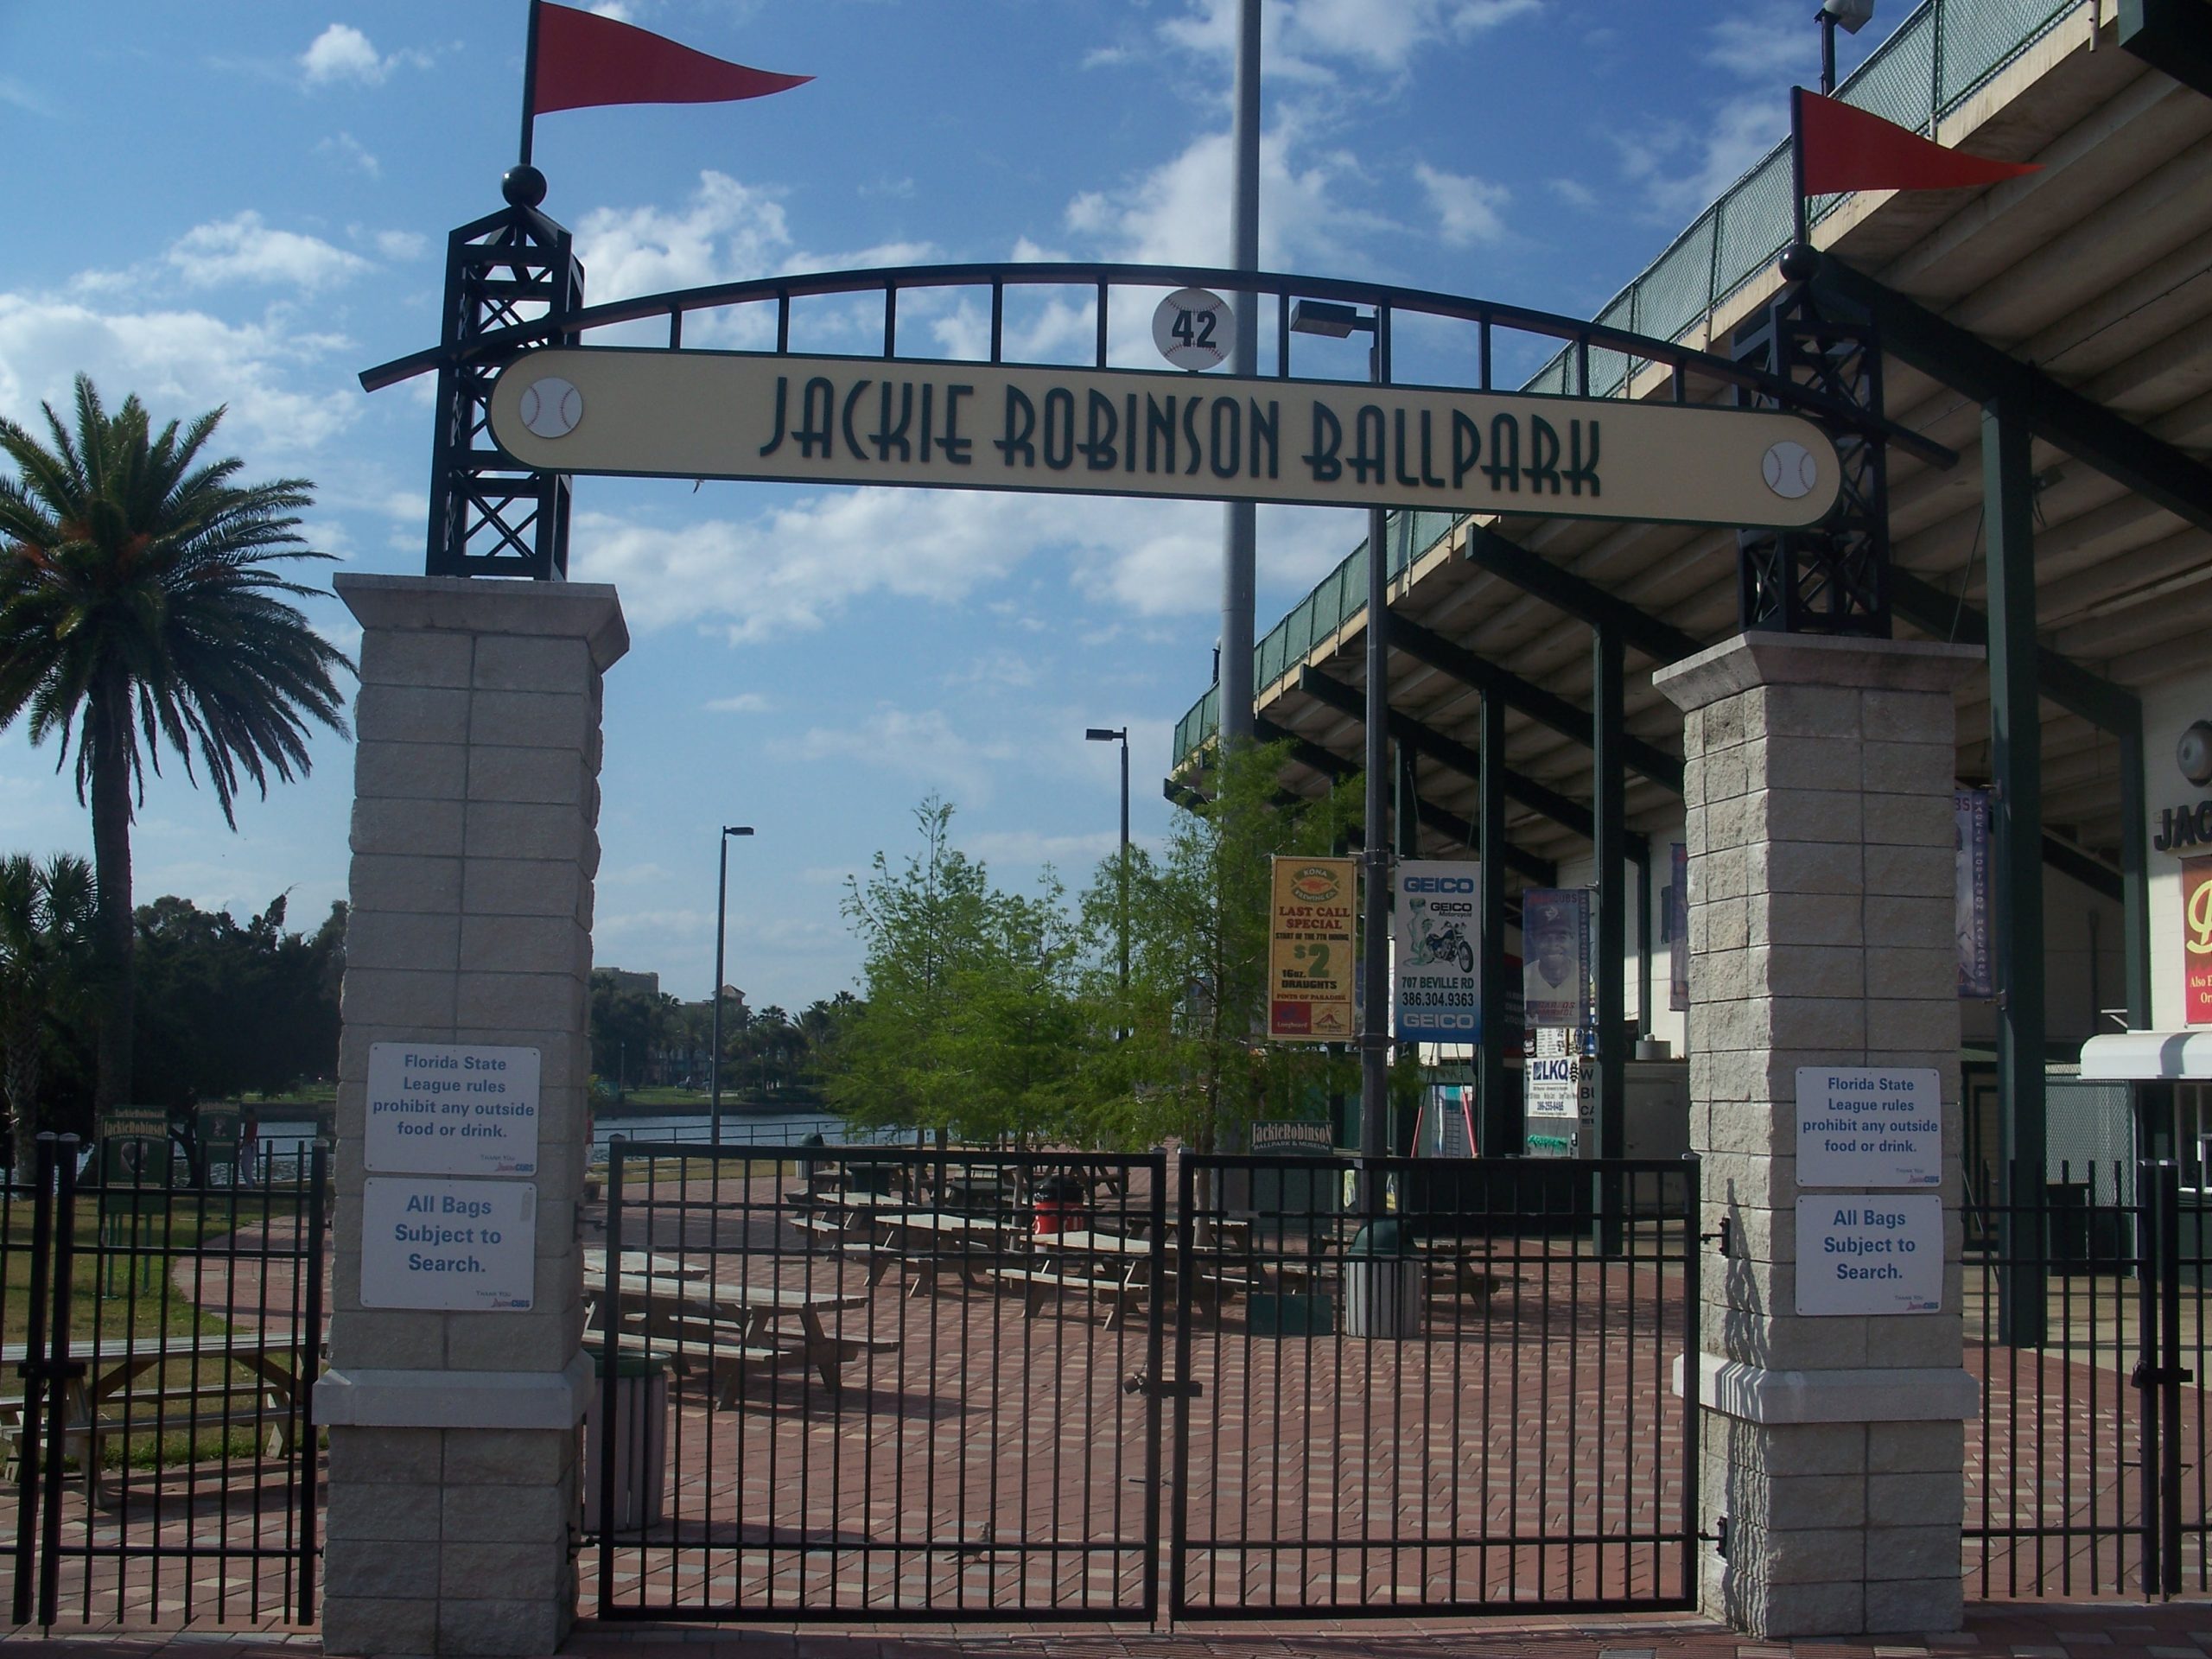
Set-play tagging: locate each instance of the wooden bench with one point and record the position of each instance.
(1126, 1293)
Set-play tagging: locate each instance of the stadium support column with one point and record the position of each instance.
(1608, 780)
(1818, 783)
(1500, 1100)
(2016, 848)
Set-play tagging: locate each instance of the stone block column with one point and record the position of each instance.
(1819, 781)
(453, 1442)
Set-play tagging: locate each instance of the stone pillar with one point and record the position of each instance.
(1819, 782)
(454, 1443)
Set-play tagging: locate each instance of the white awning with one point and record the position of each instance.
(2126, 1054)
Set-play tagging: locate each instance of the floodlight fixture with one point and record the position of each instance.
(1102, 734)
(1853, 15)
(1326, 318)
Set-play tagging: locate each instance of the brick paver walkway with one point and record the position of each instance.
(1994, 1631)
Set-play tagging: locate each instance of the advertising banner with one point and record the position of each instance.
(1310, 963)
(2196, 941)
(1440, 978)
(1555, 949)
(1970, 816)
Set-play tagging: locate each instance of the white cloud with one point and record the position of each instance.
(1304, 36)
(727, 231)
(1466, 207)
(401, 246)
(1770, 45)
(1173, 214)
(1024, 847)
(921, 744)
(1574, 193)
(343, 52)
(658, 923)
(351, 152)
(243, 249)
(180, 363)
(745, 702)
(1681, 170)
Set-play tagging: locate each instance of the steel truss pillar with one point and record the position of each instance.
(1500, 1101)
(488, 516)
(1609, 779)
(2016, 838)
(1834, 579)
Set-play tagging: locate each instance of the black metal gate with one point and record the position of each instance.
(161, 1444)
(870, 1384)
(2085, 1312)
(877, 1383)
(1465, 1406)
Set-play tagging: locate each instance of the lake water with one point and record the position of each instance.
(286, 1140)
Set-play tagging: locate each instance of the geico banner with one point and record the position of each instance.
(843, 420)
(1440, 967)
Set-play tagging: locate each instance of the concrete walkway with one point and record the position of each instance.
(1999, 1631)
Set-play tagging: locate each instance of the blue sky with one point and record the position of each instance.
(245, 203)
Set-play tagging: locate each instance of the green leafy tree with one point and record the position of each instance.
(48, 914)
(969, 1023)
(140, 610)
(230, 1007)
(1194, 1064)
(626, 1026)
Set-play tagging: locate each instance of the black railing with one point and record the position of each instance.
(163, 1443)
(893, 1385)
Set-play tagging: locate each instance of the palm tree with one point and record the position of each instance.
(46, 918)
(139, 610)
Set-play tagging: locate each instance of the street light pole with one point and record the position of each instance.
(722, 915)
(1337, 321)
(1102, 734)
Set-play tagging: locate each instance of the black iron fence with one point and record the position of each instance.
(929, 1384)
(2085, 1325)
(161, 1461)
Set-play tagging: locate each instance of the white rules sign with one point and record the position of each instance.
(466, 1246)
(449, 1108)
(1863, 1126)
(1879, 1253)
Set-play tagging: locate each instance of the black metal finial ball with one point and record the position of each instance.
(523, 186)
(1800, 262)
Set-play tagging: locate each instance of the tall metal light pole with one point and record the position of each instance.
(722, 915)
(1101, 734)
(1336, 321)
(1853, 15)
(1239, 517)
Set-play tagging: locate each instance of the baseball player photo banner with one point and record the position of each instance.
(1556, 957)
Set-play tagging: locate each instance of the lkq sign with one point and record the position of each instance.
(843, 420)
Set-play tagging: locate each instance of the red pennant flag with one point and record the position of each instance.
(1840, 147)
(584, 60)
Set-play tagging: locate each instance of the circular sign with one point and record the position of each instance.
(1790, 470)
(551, 407)
(1194, 329)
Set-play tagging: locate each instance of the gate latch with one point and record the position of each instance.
(2147, 1376)
(1141, 1382)
(1725, 1235)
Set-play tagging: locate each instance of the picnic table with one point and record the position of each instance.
(113, 1396)
(722, 1329)
(927, 1241)
(642, 1262)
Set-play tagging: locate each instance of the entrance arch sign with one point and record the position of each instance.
(1099, 431)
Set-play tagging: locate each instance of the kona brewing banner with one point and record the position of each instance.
(1310, 965)
(981, 426)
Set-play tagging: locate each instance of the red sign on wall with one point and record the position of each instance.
(2196, 940)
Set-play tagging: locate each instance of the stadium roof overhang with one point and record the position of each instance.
(2083, 291)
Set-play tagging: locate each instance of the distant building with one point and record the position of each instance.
(626, 980)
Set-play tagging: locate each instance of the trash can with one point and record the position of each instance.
(806, 1164)
(1382, 1283)
(1057, 1201)
(640, 1438)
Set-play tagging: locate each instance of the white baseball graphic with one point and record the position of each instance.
(1789, 469)
(551, 407)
